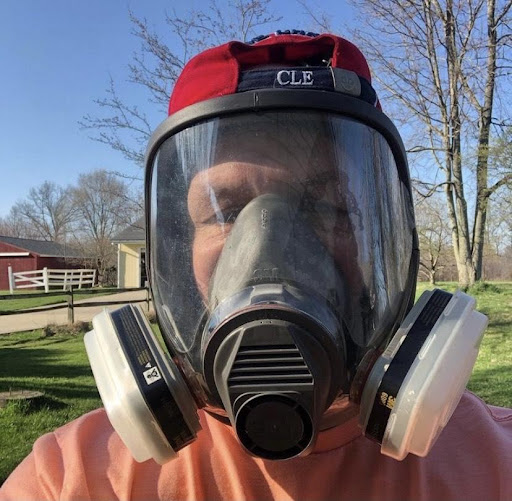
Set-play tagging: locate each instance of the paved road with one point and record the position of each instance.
(38, 320)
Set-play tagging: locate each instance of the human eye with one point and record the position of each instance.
(223, 216)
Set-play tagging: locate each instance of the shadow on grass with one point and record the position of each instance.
(45, 369)
(81, 392)
(38, 362)
(21, 342)
(47, 402)
(500, 323)
(43, 339)
(43, 403)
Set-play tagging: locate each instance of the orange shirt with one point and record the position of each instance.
(85, 459)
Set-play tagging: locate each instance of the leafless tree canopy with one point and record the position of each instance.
(441, 63)
(434, 235)
(103, 206)
(44, 214)
(14, 225)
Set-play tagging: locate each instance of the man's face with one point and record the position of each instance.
(218, 194)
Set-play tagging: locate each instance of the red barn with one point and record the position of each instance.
(25, 254)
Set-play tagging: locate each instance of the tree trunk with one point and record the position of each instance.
(466, 272)
(457, 201)
(483, 144)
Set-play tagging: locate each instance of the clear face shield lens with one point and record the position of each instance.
(308, 202)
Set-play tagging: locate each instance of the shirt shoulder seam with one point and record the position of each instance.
(494, 417)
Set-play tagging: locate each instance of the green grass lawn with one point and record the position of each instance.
(492, 375)
(9, 302)
(58, 366)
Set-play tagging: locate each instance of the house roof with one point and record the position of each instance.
(43, 248)
(135, 232)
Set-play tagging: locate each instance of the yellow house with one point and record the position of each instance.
(131, 255)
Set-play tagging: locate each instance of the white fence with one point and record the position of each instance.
(50, 278)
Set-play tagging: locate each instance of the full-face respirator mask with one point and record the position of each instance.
(282, 257)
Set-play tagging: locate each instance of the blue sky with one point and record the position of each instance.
(57, 57)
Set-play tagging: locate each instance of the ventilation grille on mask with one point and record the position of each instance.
(269, 365)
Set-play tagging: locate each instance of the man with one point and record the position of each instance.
(283, 258)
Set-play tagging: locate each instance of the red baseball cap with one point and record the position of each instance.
(292, 60)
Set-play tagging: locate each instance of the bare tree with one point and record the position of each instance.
(434, 237)
(500, 157)
(126, 127)
(441, 63)
(46, 213)
(104, 205)
(499, 228)
(13, 225)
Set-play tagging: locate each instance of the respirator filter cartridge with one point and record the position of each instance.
(416, 384)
